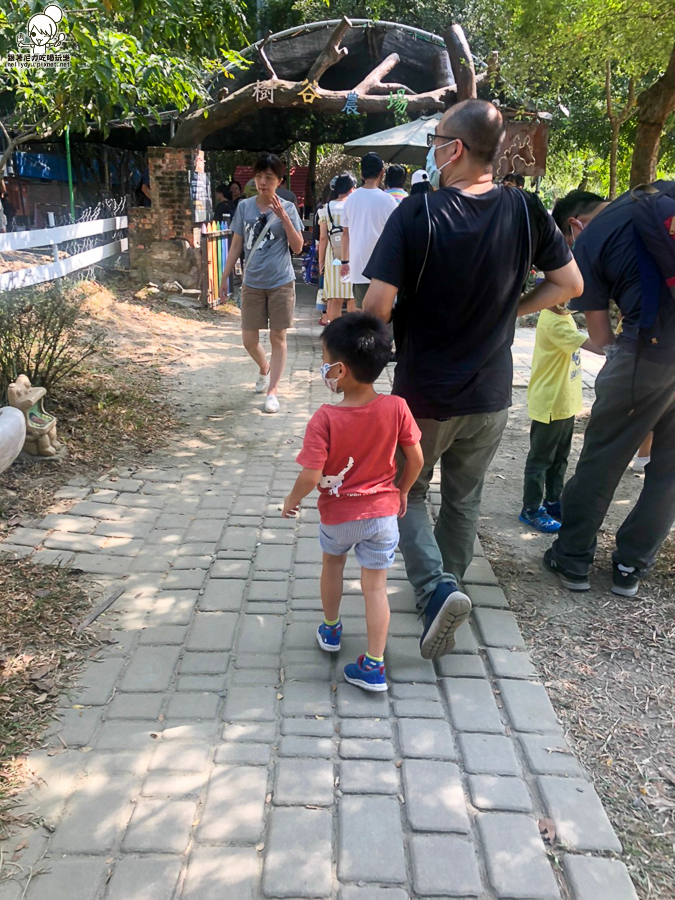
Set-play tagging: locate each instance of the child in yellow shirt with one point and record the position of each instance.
(554, 397)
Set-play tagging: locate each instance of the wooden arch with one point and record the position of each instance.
(372, 93)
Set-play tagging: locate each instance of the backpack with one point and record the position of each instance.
(334, 235)
(653, 217)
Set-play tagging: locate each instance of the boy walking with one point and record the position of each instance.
(554, 397)
(349, 452)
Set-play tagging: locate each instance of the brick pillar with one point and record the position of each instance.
(170, 190)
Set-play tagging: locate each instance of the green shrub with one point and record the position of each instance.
(41, 336)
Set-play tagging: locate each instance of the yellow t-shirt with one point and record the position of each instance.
(554, 391)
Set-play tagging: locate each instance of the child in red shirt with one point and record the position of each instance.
(349, 452)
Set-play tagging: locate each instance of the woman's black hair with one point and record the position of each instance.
(422, 187)
(344, 183)
(269, 162)
(361, 342)
(223, 189)
(234, 182)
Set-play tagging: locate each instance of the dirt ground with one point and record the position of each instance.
(607, 662)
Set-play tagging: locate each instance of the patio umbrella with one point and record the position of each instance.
(402, 144)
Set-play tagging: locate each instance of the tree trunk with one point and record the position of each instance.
(613, 154)
(654, 106)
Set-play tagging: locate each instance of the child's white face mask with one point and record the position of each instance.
(331, 383)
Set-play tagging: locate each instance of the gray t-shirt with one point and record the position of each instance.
(271, 264)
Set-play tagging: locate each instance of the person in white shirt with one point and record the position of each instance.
(364, 216)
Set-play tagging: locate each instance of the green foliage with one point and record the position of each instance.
(42, 337)
(130, 58)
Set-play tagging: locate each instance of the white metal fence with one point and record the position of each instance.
(53, 238)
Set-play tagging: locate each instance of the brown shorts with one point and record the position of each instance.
(267, 309)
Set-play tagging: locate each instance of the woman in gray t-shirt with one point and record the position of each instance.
(268, 229)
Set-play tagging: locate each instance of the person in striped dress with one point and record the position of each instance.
(330, 249)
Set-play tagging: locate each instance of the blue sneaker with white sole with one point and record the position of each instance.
(329, 637)
(447, 609)
(367, 674)
(554, 509)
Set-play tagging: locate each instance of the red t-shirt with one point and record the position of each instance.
(355, 448)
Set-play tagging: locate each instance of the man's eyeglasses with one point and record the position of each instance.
(433, 137)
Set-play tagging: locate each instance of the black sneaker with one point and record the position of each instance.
(568, 579)
(626, 580)
(553, 509)
(446, 610)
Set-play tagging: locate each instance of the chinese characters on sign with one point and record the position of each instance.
(350, 108)
(398, 101)
(39, 61)
(263, 90)
(308, 92)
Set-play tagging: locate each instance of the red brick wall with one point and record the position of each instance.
(169, 169)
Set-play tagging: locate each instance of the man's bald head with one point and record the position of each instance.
(479, 125)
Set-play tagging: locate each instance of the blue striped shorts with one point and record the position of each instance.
(374, 540)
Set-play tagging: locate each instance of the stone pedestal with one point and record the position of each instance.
(163, 242)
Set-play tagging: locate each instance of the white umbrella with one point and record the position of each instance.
(402, 144)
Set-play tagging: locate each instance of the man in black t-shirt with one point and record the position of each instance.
(635, 394)
(459, 258)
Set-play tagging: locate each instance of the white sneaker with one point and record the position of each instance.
(639, 463)
(262, 383)
(272, 404)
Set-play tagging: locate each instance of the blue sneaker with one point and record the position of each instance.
(329, 637)
(367, 674)
(554, 509)
(540, 520)
(446, 610)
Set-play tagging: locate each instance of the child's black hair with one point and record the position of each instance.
(361, 342)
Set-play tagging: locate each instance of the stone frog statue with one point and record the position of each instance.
(41, 437)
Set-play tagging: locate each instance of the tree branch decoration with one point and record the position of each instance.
(371, 95)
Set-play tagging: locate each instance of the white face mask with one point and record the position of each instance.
(331, 383)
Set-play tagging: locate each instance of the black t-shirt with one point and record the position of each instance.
(605, 254)
(456, 356)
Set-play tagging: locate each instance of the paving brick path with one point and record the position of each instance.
(215, 753)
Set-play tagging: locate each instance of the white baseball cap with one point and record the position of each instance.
(419, 176)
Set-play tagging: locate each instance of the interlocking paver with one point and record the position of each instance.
(298, 859)
(234, 806)
(549, 755)
(368, 776)
(217, 872)
(515, 856)
(160, 826)
(88, 874)
(500, 792)
(295, 745)
(136, 878)
(93, 818)
(488, 754)
(250, 704)
(528, 706)
(212, 631)
(246, 754)
(303, 781)
(307, 698)
(357, 748)
(598, 879)
(261, 634)
(580, 820)
(150, 669)
(96, 683)
(498, 628)
(371, 840)
(425, 739)
(434, 796)
(472, 705)
(444, 865)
